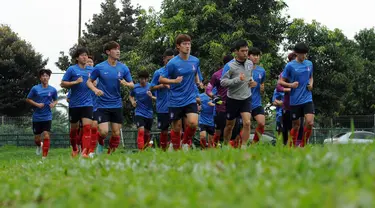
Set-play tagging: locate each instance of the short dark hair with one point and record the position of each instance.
(291, 56)
(79, 51)
(182, 38)
(227, 59)
(44, 71)
(91, 57)
(110, 45)
(239, 44)
(255, 51)
(168, 52)
(143, 74)
(301, 48)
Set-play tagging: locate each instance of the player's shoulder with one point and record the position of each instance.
(122, 65)
(90, 68)
(308, 62)
(36, 87)
(72, 67)
(193, 58)
(137, 85)
(260, 68)
(52, 88)
(159, 71)
(101, 65)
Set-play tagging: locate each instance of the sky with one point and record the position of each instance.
(51, 26)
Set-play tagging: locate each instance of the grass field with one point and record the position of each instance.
(261, 176)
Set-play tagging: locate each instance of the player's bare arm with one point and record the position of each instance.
(165, 80)
(90, 84)
(66, 84)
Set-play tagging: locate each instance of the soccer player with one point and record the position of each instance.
(299, 73)
(141, 99)
(111, 74)
(181, 74)
(238, 80)
(43, 98)
(206, 120)
(220, 115)
(277, 101)
(162, 100)
(257, 110)
(80, 103)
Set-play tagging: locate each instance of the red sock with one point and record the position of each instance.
(114, 142)
(94, 139)
(306, 136)
(203, 142)
(147, 138)
(73, 138)
(101, 140)
(216, 139)
(37, 143)
(294, 134)
(86, 137)
(163, 140)
(46, 144)
(188, 135)
(258, 133)
(176, 139)
(141, 139)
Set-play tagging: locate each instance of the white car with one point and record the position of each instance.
(356, 137)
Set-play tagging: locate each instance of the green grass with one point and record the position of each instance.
(261, 176)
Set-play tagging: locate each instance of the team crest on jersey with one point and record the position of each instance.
(49, 94)
(119, 74)
(260, 76)
(194, 68)
(89, 74)
(308, 68)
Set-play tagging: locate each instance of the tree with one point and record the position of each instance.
(19, 65)
(336, 61)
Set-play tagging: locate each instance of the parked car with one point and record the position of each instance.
(356, 137)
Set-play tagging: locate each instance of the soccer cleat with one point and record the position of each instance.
(99, 149)
(43, 158)
(91, 155)
(75, 153)
(84, 153)
(185, 147)
(79, 148)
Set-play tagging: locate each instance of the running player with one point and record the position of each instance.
(181, 74)
(162, 99)
(43, 98)
(300, 73)
(111, 74)
(220, 115)
(257, 110)
(238, 80)
(206, 120)
(80, 103)
(141, 99)
(277, 101)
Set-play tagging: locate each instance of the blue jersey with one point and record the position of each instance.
(214, 92)
(42, 95)
(206, 116)
(94, 99)
(226, 68)
(162, 95)
(144, 101)
(301, 73)
(279, 110)
(80, 94)
(259, 76)
(182, 94)
(109, 83)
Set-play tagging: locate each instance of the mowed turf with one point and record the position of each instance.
(261, 176)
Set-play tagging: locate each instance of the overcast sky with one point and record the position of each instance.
(52, 26)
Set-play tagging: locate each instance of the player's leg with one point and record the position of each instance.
(175, 115)
(245, 110)
(296, 113)
(74, 130)
(116, 118)
(37, 137)
(148, 126)
(211, 132)
(139, 121)
(163, 125)
(235, 137)
(258, 115)
(86, 116)
(103, 124)
(219, 127)
(94, 135)
(46, 128)
(309, 122)
(191, 112)
(287, 125)
(233, 111)
(202, 136)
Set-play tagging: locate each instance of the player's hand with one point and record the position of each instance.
(167, 86)
(294, 85)
(40, 105)
(79, 80)
(310, 87)
(262, 88)
(200, 85)
(252, 83)
(134, 104)
(287, 89)
(179, 79)
(242, 77)
(52, 105)
(125, 83)
(149, 93)
(98, 92)
(199, 108)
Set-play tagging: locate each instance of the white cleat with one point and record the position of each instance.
(39, 149)
(43, 158)
(185, 147)
(91, 155)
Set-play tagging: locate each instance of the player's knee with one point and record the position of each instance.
(261, 124)
(246, 123)
(46, 135)
(310, 123)
(103, 132)
(116, 132)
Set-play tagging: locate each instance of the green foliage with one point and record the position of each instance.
(19, 65)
